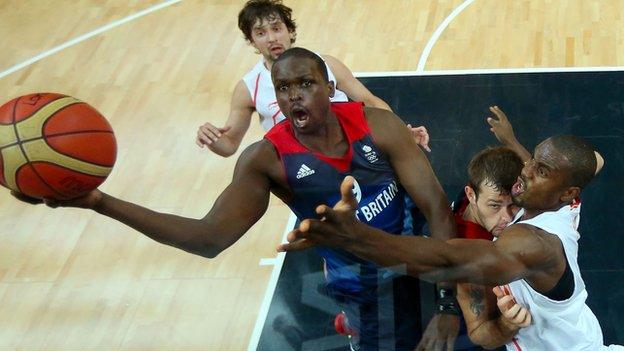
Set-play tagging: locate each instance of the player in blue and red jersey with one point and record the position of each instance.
(302, 164)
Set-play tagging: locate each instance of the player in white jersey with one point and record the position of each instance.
(269, 28)
(537, 256)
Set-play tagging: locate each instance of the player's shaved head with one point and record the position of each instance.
(580, 157)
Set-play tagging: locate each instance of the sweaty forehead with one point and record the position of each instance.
(547, 153)
(294, 67)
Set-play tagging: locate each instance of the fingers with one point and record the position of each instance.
(527, 320)
(295, 234)
(424, 137)
(505, 303)
(51, 203)
(296, 245)
(208, 134)
(25, 198)
(498, 292)
(499, 113)
(346, 192)
(492, 122)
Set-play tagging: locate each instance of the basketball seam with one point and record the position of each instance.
(57, 135)
(61, 96)
(57, 111)
(19, 144)
(74, 157)
(69, 169)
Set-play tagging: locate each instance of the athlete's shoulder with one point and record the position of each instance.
(530, 242)
(259, 155)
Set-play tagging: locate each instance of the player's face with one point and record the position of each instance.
(302, 93)
(271, 37)
(494, 210)
(542, 181)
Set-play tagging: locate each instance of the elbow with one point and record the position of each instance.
(485, 341)
(210, 251)
(225, 153)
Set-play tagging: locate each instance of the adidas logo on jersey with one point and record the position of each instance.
(304, 171)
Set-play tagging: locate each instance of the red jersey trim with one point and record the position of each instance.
(467, 229)
(352, 120)
(256, 89)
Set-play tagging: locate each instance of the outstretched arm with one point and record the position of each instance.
(520, 253)
(238, 207)
(224, 141)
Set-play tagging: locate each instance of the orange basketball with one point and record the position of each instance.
(54, 146)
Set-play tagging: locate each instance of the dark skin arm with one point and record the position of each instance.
(413, 170)
(418, 179)
(523, 252)
(238, 207)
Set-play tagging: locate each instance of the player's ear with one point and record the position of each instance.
(332, 88)
(470, 194)
(570, 194)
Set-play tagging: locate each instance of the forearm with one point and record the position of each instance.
(225, 146)
(442, 225)
(520, 150)
(374, 101)
(417, 254)
(493, 333)
(458, 260)
(180, 232)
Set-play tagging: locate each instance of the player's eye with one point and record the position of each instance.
(306, 83)
(282, 87)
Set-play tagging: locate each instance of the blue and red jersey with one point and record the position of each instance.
(315, 179)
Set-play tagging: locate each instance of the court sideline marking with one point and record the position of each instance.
(436, 35)
(87, 36)
(278, 261)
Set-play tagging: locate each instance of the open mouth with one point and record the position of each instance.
(519, 187)
(299, 116)
(276, 50)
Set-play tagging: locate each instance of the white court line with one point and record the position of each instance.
(487, 71)
(268, 295)
(427, 50)
(86, 36)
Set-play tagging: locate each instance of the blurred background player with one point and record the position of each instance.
(268, 26)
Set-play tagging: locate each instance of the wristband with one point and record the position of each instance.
(446, 303)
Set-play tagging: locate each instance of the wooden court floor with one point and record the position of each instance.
(73, 280)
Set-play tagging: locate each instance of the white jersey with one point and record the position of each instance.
(260, 86)
(558, 325)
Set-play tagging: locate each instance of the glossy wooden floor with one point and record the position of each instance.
(73, 280)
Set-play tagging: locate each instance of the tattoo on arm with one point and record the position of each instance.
(476, 300)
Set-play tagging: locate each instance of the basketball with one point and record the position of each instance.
(54, 146)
